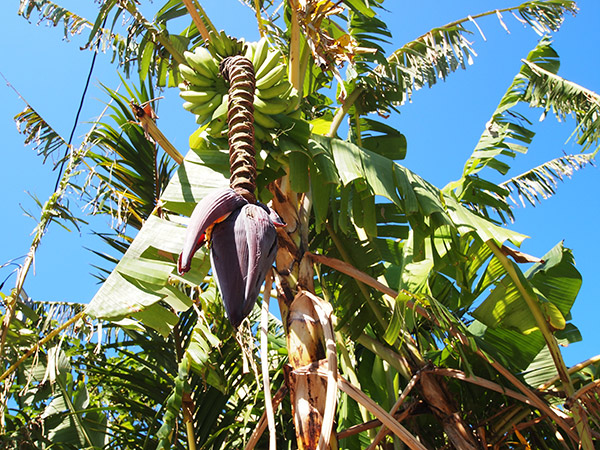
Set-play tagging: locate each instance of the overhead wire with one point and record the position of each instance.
(79, 109)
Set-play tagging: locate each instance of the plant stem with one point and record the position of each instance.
(383, 431)
(187, 408)
(189, 428)
(358, 396)
(262, 423)
(204, 16)
(363, 289)
(36, 347)
(394, 359)
(343, 110)
(294, 75)
(197, 20)
(264, 359)
(150, 128)
(259, 21)
(369, 425)
(571, 370)
(74, 413)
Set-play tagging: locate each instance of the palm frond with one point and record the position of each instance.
(130, 175)
(101, 38)
(542, 181)
(147, 44)
(39, 133)
(143, 43)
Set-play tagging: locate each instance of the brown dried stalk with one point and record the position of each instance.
(262, 423)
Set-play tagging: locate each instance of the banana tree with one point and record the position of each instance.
(381, 278)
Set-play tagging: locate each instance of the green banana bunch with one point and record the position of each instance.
(269, 68)
(203, 90)
(273, 90)
(205, 93)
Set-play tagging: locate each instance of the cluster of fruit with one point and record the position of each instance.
(205, 92)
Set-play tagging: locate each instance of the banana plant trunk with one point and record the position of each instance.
(303, 329)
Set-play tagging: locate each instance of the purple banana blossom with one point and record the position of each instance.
(243, 246)
(213, 208)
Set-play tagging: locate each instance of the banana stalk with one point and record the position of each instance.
(241, 230)
(244, 241)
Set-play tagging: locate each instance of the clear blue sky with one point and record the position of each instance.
(442, 126)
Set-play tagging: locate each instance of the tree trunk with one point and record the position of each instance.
(305, 338)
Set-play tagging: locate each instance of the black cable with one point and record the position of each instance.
(87, 83)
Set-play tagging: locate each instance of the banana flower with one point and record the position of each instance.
(243, 244)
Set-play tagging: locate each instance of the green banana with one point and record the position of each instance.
(272, 78)
(228, 44)
(208, 107)
(279, 90)
(194, 77)
(218, 46)
(188, 106)
(292, 102)
(202, 62)
(222, 108)
(201, 119)
(273, 57)
(262, 48)
(270, 107)
(296, 114)
(265, 121)
(259, 132)
(216, 126)
(250, 47)
(197, 96)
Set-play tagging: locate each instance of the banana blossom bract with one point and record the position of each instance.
(243, 244)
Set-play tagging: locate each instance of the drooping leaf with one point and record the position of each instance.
(441, 51)
(511, 327)
(507, 133)
(137, 284)
(541, 181)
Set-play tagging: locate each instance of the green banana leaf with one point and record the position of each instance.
(505, 321)
(148, 271)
